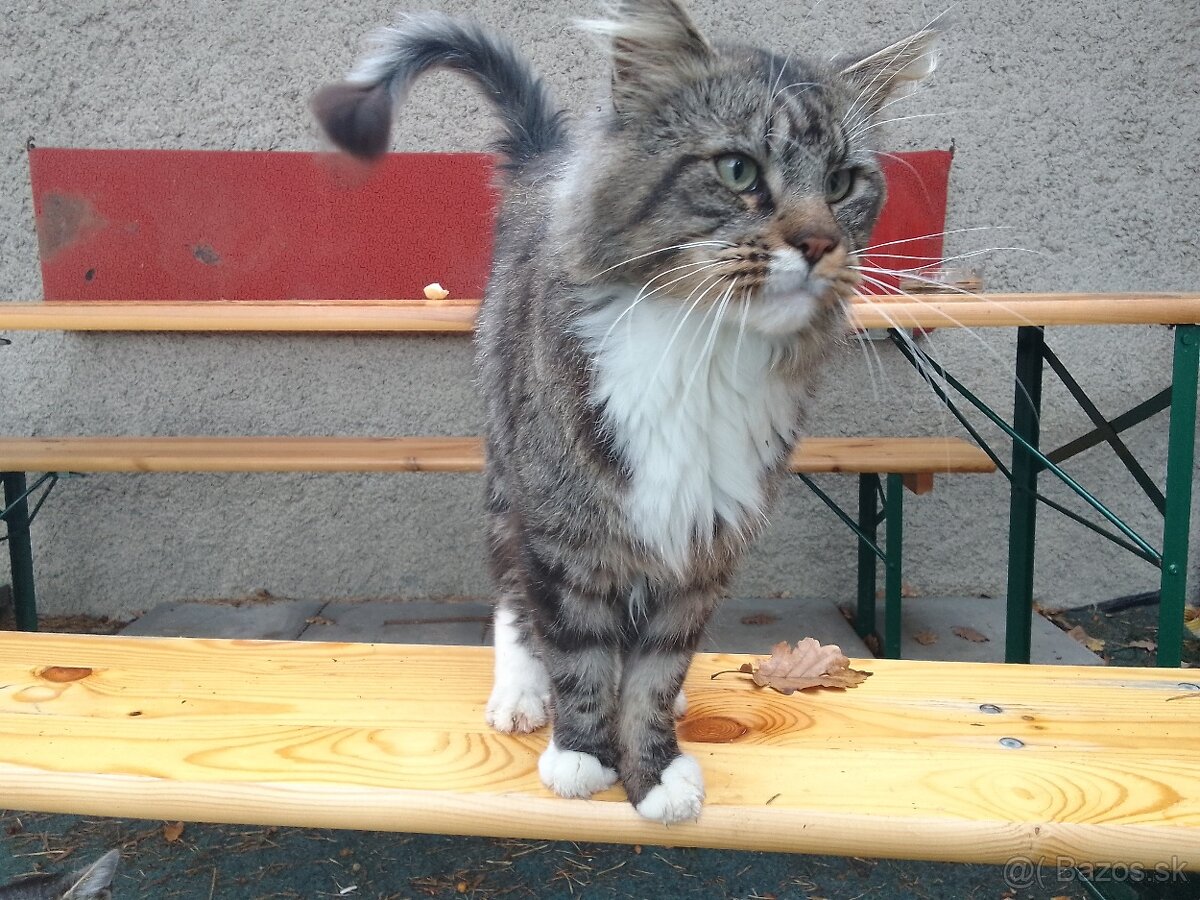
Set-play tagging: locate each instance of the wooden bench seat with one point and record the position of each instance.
(904, 462)
(939, 761)
(883, 455)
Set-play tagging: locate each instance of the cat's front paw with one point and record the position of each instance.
(520, 704)
(570, 773)
(679, 794)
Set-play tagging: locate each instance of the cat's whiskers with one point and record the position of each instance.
(857, 133)
(696, 268)
(866, 251)
(687, 311)
(787, 87)
(954, 289)
(946, 288)
(684, 246)
(744, 300)
(868, 348)
(950, 289)
(778, 78)
(940, 261)
(929, 376)
(706, 353)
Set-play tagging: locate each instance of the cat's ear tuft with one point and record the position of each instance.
(881, 73)
(654, 45)
(356, 117)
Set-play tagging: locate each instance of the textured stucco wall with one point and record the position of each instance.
(1076, 125)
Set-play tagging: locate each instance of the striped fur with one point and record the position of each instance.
(649, 340)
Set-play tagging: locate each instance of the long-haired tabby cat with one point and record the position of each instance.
(669, 274)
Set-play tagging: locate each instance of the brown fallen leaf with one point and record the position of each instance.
(809, 664)
(760, 619)
(172, 831)
(1094, 644)
(970, 634)
(319, 620)
(1150, 646)
(925, 638)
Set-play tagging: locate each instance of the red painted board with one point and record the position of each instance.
(249, 225)
(211, 225)
(908, 234)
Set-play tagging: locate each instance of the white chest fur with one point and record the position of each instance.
(698, 413)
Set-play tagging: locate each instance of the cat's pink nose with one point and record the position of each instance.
(814, 246)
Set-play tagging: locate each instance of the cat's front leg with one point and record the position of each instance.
(661, 782)
(580, 638)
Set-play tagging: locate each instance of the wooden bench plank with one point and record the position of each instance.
(402, 316)
(392, 737)
(424, 454)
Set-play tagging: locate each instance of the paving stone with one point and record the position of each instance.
(269, 619)
(940, 615)
(403, 622)
(754, 625)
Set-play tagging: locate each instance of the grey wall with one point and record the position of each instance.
(1076, 125)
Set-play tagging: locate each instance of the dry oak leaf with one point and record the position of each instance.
(970, 634)
(925, 638)
(1096, 645)
(172, 831)
(809, 664)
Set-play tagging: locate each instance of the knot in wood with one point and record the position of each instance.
(712, 730)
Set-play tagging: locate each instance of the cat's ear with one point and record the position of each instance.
(880, 73)
(654, 45)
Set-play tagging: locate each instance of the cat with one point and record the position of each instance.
(89, 883)
(669, 274)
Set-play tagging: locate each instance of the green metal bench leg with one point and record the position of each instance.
(868, 519)
(20, 550)
(1181, 447)
(1022, 519)
(893, 566)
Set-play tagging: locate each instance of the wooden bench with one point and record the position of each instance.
(936, 761)
(280, 226)
(911, 462)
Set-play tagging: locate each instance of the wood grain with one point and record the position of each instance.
(392, 737)
(927, 311)
(421, 454)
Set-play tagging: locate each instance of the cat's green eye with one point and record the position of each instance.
(739, 173)
(838, 184)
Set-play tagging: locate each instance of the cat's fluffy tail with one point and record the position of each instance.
(357, 113)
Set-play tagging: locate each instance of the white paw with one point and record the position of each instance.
(519, 704)
(520, 698)
(678, 795)
(680, 704)
(570, 773)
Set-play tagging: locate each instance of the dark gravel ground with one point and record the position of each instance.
(198, 862)
(205, 861)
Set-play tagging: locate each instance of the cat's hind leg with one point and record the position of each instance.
(520, 699)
